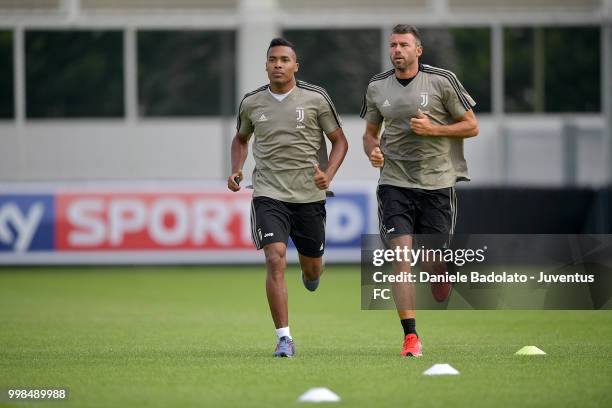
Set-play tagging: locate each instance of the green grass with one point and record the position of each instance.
(163, 337)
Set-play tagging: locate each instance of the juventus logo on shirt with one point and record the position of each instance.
(424, 99)
(300, 118)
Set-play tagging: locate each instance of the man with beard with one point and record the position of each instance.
(426, 113)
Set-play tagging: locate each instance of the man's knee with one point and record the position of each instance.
(275, 260)
(313, 268)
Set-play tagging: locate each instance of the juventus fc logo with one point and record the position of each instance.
(424, 99)
(300, 118)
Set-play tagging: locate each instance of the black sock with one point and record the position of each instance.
(409, 326)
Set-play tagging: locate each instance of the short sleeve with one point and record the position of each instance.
(369, 110)
(456, 99)
(244, 125)
(328, 117)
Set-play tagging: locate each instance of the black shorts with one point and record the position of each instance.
(276, 221)
(410, 211)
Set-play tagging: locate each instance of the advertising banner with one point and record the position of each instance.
(164, 223)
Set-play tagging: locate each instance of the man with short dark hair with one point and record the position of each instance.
(427, 113)
(288, 119)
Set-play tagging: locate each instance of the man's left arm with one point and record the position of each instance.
(336, 157)
(465, 126)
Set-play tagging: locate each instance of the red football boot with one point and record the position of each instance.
(412, 346)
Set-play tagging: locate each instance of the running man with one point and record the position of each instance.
(427, 113)
(288, 119)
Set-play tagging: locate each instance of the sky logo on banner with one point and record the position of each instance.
(26, 222)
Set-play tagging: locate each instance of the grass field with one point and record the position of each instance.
(203, 337)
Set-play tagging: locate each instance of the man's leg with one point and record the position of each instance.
(396, 211)
(439, 290)
(308, 235)
(276, 287)
(404, 295)
(312, 268)
(270, 231)
(438, 214)
(276, 290)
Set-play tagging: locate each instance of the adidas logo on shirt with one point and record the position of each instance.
(262, 118)
(386, 103)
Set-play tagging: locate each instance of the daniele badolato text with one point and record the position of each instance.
(458, 257)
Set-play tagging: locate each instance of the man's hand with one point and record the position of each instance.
(421, 125)
(234, 180)
(376, 157)
(320, 178)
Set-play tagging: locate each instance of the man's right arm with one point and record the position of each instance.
(239, 151)
(371, 144)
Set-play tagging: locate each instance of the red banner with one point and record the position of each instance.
(141, 220)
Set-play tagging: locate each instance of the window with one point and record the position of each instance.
(341, 61)
(7, 100)
(186, 73)
(467, 53)
(519, 71)
(74, 74)
(552, 69)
